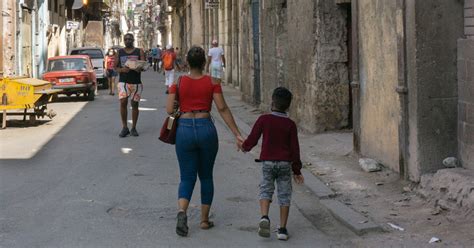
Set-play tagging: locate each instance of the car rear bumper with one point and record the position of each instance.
(74, 87)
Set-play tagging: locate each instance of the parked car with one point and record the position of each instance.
(98, 61)
(73, 74)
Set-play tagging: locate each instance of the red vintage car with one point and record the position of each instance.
(73, 74)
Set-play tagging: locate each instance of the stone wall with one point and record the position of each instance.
(304, 48)
(466, 102)
(466, 89)
(432, 83)
(469, 18)
(246, 54)
(378, 72)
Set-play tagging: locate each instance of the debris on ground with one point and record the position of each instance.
(379, 183)
(406, 189)
(434, 240)
(450, 162)
(369, 165)
(399, 228)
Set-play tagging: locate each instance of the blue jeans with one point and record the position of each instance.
(196, 148)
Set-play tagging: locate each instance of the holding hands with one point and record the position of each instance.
(239, 141)
(299, 179)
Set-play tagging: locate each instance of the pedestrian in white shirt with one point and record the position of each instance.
(216, 62)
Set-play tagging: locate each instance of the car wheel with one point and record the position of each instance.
(91, 95)
(54, 98)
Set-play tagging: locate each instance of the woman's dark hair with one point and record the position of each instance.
(281, 98)
(196, 58)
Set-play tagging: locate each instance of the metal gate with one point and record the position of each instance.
(256, 49)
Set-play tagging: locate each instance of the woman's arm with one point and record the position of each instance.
(225, 113)
(170, 103)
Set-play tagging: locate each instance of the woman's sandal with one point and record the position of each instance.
(205, 224)
(182, 224)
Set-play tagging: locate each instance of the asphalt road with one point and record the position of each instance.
(72, 182)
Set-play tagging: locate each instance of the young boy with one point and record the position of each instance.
(280, 155)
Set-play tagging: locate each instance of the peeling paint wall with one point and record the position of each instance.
(379, 115)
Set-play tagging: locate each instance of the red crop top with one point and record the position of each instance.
(195, 94)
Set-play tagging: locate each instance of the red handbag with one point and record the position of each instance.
(168, 130)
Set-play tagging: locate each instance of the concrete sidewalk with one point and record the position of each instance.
(336, 144)
(363, 202)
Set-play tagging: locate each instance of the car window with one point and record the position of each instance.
(93, 53)
(76, 64)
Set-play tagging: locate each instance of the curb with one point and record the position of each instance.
(355, 221)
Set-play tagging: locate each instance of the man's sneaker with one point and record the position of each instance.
(133, 132)
(282, 234)
(124, 132)
(264, 227)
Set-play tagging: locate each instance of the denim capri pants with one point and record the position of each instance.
(196, 147)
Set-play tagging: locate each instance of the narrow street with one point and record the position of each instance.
(86, 187)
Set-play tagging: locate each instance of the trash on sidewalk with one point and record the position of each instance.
(436, 211)
(396, 227)
(369, 165)
(379, 183)
(306, 164)
(434, 240)
(450, 162)
(406, 189)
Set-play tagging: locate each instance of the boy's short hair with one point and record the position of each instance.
(281, 98)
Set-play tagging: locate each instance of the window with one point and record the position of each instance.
(93, 53)
(67, 65)
(56, 6)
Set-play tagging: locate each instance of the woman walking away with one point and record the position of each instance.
(111, 73)
(196, 136)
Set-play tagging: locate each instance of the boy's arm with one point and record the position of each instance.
(252, 139)
(296, 164)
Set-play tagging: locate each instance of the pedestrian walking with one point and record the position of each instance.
(156, 55)
(149, 57)
(196, 136)
(130, 83)
(168, 64)
(216, 62)
(110, 70)
(179, 60)
(280, 155)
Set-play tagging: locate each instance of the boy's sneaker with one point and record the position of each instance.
(133, 132)
(282, 234)
(264, 227)
(124, 132)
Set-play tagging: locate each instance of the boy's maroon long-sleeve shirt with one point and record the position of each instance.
(280, 140)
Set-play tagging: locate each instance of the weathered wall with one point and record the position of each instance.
(9, 30)
(466, 102)
(317, 70)
(433, 121)
(246, 52)
(194, 19)
(379, 104)
(274, 45)
(466, 89)
(469, 18)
